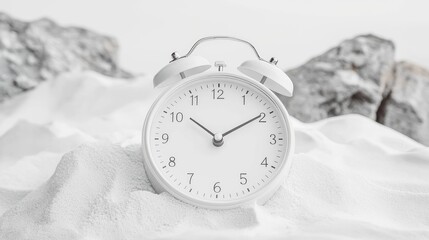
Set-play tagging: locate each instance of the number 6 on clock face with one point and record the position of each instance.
(218, 141)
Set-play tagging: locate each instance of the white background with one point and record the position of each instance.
(293, 30)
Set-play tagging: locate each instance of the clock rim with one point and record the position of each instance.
(262, 195)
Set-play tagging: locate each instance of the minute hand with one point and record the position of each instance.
(241, 125)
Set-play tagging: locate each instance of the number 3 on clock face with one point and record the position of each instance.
(218, 141)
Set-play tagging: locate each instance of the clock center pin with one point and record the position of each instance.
(218, 139)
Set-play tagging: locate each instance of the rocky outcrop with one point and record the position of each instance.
(350, 78)
(31, 52)
(361, 76)
(406, 109)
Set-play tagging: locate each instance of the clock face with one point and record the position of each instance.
(217, 140)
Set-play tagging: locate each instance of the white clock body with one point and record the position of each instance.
(247, 166)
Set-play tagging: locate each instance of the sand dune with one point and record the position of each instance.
(351, 178)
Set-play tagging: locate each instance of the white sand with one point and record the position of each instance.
(351, 178)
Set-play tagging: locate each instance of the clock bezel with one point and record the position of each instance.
(260, 196)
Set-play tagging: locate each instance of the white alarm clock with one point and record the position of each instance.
(218, 139)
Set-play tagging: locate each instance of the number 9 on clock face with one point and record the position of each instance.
(217, 141)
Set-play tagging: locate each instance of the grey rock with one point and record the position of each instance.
(406, 108)
(350, 78)
(361, 76)
(31, 52)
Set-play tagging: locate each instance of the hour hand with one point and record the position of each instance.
(212, 134)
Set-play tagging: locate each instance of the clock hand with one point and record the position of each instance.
(212, 134)
(241, 125)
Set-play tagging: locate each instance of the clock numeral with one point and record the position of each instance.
(243, 179)
(264, 162)
(172, 162)
(217, 94)
(261, 120)
(164, 138)
(194, 100)
(178, 117)
(273, 139)
(217, 188)
(191, 175)
(244, 99)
